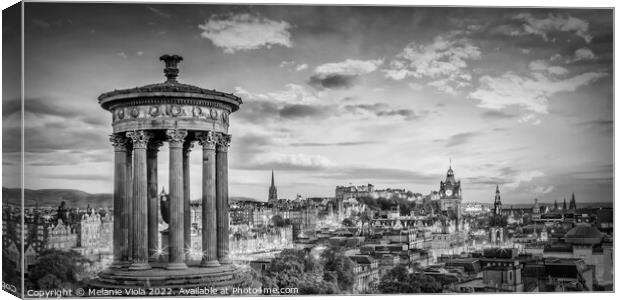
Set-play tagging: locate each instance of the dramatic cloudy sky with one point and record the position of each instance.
(337, 95)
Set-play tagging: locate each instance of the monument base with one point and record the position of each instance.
(159, 281)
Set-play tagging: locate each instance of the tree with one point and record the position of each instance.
(335, 261)
(278, 221)
(365, 218)
(57, 269)
(10, 274)
(348, 222)
(314, 286)
(400, 281)
(297, 268)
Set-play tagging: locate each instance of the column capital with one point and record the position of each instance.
(140, 138)
(223, 141)
(176, 137)
(154, 145)
(119, 142)
(206, 139)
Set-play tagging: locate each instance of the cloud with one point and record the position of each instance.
(444, 61)
(10, 106)
(258, 111)
(281, 161)
(498, 114)
(159, 12)
(74, 177)
(242, 32)
(38, 139)
(70, 157)
(296, 102)
(301, 67)
(342, 74)
(541, 65)
(584, 54)
(521, 177)
(41, 23)
(415, 86)
(48, 106)
(507, 177)
(541, 190)
(602, 126)
(380, 110)
(286, 63)
(376, 174)
(530, 93)
(292, 93)
(122, 54)
(461, 138)
(321, 144)
(600, 174)
(297, 111)
(292, 64)
(554, 23)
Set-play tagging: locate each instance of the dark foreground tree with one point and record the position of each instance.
(339, 266)
(57, 269)
(299, 269)
(400, 281)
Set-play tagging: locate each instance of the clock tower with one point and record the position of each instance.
(450, 195)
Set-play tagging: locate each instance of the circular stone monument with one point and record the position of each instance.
(143, 118)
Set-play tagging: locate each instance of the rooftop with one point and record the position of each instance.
(584, 235)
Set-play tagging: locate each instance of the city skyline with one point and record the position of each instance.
(516, 97)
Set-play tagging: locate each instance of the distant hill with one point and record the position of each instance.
(72, 198)
(243, 199)
(53, 198)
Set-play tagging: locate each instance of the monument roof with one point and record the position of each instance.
(170, 88)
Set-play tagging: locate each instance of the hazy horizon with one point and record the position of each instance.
(335, 95)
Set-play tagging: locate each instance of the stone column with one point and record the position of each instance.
(221, 179)
(139, 236)
(176, 258)
(153, 202)
(209, 223)
(127, 227)
(187, 219)
(120, 167)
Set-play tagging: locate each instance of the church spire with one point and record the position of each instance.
(273, 192)
(564, 206)
(498, 201)
(272, 180)
(573, 203)
(497, 208)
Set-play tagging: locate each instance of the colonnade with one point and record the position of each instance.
(136, 202)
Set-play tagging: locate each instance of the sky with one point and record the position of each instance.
(520, 98)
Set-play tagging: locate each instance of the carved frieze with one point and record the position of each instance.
(155, 112)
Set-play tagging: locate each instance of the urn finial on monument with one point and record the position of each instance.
(171, 70)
